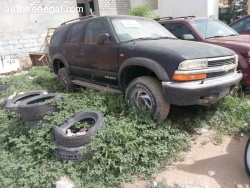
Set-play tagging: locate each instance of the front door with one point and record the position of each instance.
(100, 62)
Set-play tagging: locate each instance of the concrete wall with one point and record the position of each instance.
(199, 8)
(153, 3)
(23, 31)
(113, 7)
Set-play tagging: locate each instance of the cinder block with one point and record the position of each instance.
(26, 36)
(16, 37)
(15, 51)
(32, 40)
(13, 42)
(29, 45)
(3, 43)
(19, 46)
(5, 52)
(34, 50)
(22, 41)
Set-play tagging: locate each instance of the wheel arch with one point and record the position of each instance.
(141, 67)
(59, 61)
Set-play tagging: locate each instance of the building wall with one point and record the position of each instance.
(199, 8)
(152, 3)
(23, 31)
(113, 7)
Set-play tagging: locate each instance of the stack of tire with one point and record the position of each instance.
(68, 147)
(32, 106)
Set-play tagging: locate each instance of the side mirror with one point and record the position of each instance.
(187, 37)
(103, 38)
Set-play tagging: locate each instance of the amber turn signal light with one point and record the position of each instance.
(189, 77)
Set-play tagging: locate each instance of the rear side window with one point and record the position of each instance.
(74, 34)
(57, 36)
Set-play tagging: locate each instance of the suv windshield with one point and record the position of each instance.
(131, 28)
(210, 28)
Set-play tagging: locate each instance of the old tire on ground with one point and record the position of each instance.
(65, 80)
(69, 154)
(146, 93)
(35, 108)
(12, 104)
(78, 140)
(247, 157)
(3, 88)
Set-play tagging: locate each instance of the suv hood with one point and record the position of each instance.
(178, 48)
(241, 42)
(171, 52)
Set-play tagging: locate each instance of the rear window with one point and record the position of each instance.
(74, 34)
(57, 36)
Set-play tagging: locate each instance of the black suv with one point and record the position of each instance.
(139, 57)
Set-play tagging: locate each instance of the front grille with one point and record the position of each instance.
(221, 62)
(217, 74)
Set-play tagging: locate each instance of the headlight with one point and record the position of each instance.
(236, 58)
(193, 64)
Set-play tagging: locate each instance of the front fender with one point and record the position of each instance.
(62, 59)
(147, 63)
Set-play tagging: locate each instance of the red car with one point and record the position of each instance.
(242, 25)
(214, 32)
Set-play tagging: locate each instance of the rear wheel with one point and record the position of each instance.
(146, 93)
(247, 157)
(65, 80)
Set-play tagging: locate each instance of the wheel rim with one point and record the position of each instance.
(142, 99)
(248, 156)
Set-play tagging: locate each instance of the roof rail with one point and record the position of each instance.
(82, 18)
(164, 18)
(185, 17)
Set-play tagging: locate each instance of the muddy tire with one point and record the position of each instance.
(12, 104)
(247, 157)
(78, 140)
(35, 108)
(65, 80)
(69, 154)
(146, 93)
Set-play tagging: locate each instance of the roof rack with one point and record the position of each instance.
(82, 18)
(164, 18)
(185, 17)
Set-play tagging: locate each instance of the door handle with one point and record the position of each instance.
(82, 52)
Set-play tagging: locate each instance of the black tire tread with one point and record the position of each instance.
(70, 87)
(155, 86)
(33, 112)
(78, 140)
(245, 157)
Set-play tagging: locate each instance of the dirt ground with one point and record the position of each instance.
(207, 166)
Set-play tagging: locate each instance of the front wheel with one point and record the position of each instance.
(146, 93)
(247, 157)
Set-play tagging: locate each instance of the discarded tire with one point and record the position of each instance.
(69, 154)
(3, 88)
(78, 140)
(12, 104)
(35, 108)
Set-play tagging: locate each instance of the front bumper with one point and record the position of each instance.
(200, 92)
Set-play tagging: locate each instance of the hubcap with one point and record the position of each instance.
(142, 99)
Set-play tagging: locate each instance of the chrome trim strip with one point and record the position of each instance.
(209, 70)
(220, 58)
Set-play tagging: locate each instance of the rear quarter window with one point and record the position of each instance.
(57, 36)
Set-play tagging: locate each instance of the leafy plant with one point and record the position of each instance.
(129, 145)
(142, 10)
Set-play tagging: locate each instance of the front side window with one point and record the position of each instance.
(178, 29)
(131, 28)
(94, 29)
(210, 28)
(242, 25)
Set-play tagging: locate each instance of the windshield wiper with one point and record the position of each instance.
(231, 35)
(216, 36)
(166, 38)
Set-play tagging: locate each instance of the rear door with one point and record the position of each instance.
(71, 48)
